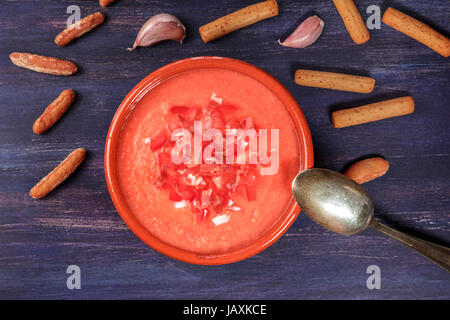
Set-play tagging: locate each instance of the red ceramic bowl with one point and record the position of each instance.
(152, 80)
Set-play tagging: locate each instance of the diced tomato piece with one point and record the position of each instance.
(207, 109)
(218, 121)
(207, 123)
(206, 198)
(158, 141)
(187, 194)
(202, 215)
(251, 193)
(225, 109)
(233, 124)
(218, 181)
(164, 159)
(213, 105)
(181, 183)
(248, 123)
(190, 114)
(217, 200)
(224, 177)
(250, 178)
(179, 109)
(193, 169)
(173, 122)
(161, 183)
(174, 196)
(185, 113)
(211, 114)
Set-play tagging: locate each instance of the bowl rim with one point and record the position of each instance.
(152, 80)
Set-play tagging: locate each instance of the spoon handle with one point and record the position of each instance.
(436, 253)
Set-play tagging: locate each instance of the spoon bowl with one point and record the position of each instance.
(333, 200)
(343, 206)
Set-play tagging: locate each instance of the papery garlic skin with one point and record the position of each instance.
(159, 28)
(306, 33)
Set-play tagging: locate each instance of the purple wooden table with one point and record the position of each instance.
(78, 224)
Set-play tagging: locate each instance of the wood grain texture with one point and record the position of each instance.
(77, 223)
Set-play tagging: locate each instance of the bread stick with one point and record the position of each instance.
(373, 112)
(105, 3)
(366, 170)
(54, 111)
(76, 30)
(238, 19)
(59, 174)
(353, 21)
(43, 64)
(417, 30)
(334, 81)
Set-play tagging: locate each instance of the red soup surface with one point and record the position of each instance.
(204, 205)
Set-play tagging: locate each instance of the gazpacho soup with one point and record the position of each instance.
(206, 158)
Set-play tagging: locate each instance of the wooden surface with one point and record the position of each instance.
(77, 224)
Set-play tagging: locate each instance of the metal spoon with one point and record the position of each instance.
(343, 206)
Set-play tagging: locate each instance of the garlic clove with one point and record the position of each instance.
(306, 33)
(159, 28)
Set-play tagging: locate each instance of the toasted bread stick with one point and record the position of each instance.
(353, 21)
(59, 174)
(54, 111)
(367, 170)
(43, 64)
(373, 112)
(417, 30)
(334, 81)
(76, 30)
(238, 19)
(105, 3)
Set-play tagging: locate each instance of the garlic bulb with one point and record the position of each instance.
(159, 28)
(306, 33)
